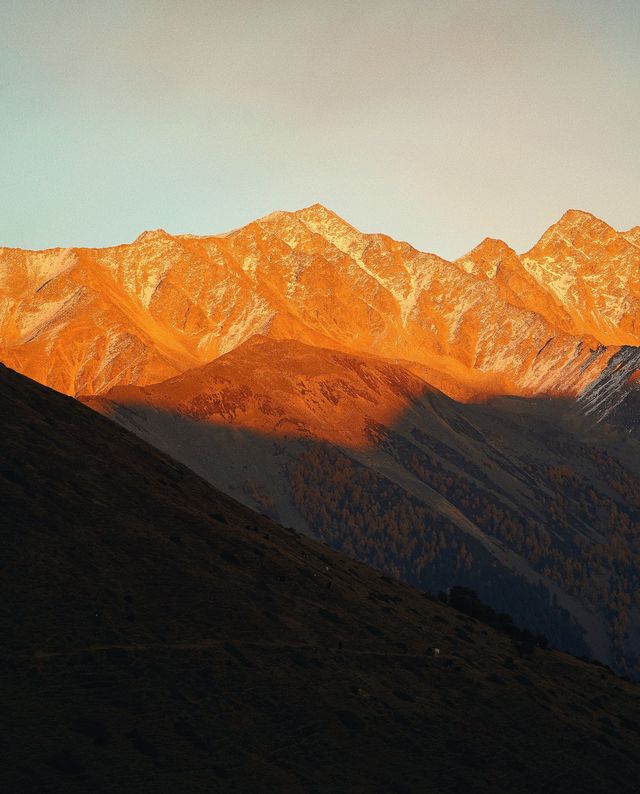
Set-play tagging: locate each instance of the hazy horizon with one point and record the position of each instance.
(434, 123)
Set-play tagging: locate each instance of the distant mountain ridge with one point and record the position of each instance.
(492, 322)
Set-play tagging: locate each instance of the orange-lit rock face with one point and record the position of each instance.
(594, 272)
(84, 320)
(283, 388)
(66, 323)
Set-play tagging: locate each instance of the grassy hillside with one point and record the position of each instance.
(158, 636)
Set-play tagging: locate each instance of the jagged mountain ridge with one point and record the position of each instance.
(84, 320)
(594, 272)
(519, 499)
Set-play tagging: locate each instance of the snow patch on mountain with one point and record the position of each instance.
(44, 266)
(255, 318)
(33, 323)
(606, 393)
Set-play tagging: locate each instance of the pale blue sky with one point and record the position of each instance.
(435, 122)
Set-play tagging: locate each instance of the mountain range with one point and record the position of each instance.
(469, 422)
(547, 321)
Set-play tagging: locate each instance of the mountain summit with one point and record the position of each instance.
(548, 321)
(594, 271)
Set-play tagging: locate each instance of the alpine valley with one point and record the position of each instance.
(450, 423)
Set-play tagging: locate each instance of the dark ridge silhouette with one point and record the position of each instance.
(159, 636)
(466, 600)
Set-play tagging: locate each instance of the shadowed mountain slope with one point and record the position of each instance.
(527, 501)
(158, 636)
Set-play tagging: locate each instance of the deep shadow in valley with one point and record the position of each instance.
(159, 636)
(517, 498)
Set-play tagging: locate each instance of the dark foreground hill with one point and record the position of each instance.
(159, 637)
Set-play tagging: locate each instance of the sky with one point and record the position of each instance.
(439, 123)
